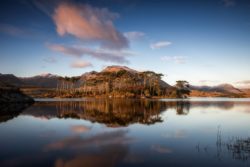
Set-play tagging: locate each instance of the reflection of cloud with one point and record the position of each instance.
(161, 149)
(134, 35)
(81, 64)
(160, 44)
(175, 59)
(77, 142)
(101, 54)
(79, 128)
(48, 134)
(89, 23)
(178, 134)
(133, 158)
(106, 156)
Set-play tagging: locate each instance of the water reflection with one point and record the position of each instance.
(113, 113)
(106, 132)
(9, 111)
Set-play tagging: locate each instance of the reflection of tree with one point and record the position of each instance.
(115, 112)
(10, 110)
(182, 107)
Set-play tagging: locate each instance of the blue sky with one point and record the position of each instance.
(203, 42)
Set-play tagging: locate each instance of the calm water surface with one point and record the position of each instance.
(106, 132)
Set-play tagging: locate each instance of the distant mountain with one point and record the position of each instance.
(44, 80)
(10, 79)
(223, 88)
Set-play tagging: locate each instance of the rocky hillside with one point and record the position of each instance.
(12, 94)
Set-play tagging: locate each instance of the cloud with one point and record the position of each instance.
(208, 82)
(243, 84)
(50, 60)
(12, 30)
(160, 44)
(81, 64)
(134, 35)
(88, 23)
(175, 59)
(101, 54)
(228, 3)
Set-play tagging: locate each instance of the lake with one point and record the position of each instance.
(126, 132)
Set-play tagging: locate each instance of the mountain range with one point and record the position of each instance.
(115, 78)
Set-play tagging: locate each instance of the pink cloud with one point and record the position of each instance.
(81, 64)
(89, 23)
(101, 54)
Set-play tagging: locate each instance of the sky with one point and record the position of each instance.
(202, 42)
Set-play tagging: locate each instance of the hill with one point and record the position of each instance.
(12, 94)
(222, 90)
(120, 81)
(10, 79)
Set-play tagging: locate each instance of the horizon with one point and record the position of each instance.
(46, 74)
(205, 43)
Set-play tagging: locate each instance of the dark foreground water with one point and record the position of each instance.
(105, 132)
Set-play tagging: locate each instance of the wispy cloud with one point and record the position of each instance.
(88, 23)
(81, 64)
(160, 44)
(49, 60)
(12, 30)
(228, 3)
(208, 82)
(134, 35)
(175, 59)
(117, 56)
(243, 84)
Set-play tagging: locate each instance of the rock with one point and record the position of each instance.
(13, 95)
